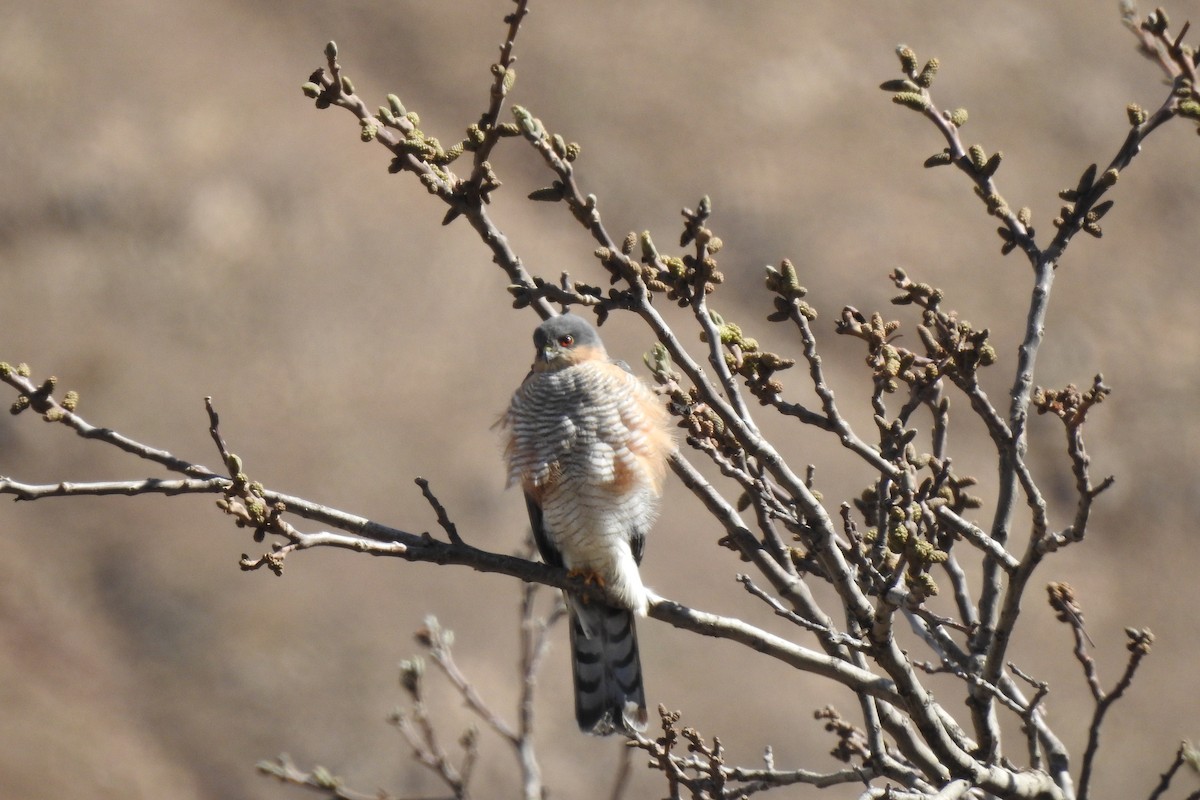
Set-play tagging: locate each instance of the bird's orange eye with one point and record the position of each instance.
(566, 340)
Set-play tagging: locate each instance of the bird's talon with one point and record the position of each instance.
(589, 577)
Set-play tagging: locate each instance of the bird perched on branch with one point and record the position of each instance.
(588, 442)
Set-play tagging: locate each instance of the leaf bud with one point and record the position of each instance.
(938, 159)
(629, 243)
(649, 251)
(978, 156)
(928, 73)
(899, 85)
(1189, 109)
(548, 193)
(993, 163)
(912, 100)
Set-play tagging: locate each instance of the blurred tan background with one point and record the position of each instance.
(177, 221)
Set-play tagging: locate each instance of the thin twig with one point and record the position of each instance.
(440, 651)
(30, 491)
(504, 77)
(623, 773)
(53, 410)
(1164, 780)
(442, 517)
(835, 638)
(979, 538)
(1139, 645)
(534, 643)
(321, 780)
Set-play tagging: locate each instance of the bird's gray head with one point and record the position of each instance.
(565, 340)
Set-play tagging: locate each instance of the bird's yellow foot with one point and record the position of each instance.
(589, 577)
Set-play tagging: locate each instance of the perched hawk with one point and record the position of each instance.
(588, 442)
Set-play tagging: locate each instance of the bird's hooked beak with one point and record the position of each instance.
(548, 352)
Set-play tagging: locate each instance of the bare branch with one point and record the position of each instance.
(979, 538)
(1164, 781)
(1139, 645)
(834, 637)
(322, 780)
(443, 519)
(54, 411)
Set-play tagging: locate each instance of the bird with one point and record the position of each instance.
(588, 442)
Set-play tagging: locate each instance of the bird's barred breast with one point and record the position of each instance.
(593, 422)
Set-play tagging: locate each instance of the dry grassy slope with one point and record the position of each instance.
(176, 221)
